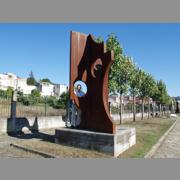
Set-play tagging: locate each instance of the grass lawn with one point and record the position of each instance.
(148, 133)
(178, 114)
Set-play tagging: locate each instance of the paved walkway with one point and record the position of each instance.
(170, 148)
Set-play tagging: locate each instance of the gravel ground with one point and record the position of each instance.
(44, 142)
(47, 145)
(6, 151)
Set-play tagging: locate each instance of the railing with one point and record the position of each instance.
(128, 109)
(28, 111)
(37, 110)
(44, 109)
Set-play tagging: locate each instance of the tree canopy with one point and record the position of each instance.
(46, 80)
(126, 76)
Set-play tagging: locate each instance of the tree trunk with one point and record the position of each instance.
(110, 108)
(123, 109)
(149, 108)
(120, 109)
(163, 110)
(134, 108)
(153, 109)
(160, 110)
(142, 117)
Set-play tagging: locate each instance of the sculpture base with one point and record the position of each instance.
(113, 144)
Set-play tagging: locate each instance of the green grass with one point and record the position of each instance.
(148, 133)
(178, 114)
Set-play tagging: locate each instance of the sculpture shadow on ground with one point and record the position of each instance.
(31, 132)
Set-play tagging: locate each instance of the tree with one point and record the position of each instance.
(124, 74)
(31, 79)
(46, 80)
(99, 40)
(34, 97)
(120, 72)
(161, 96)
(134, 87)
(3, 94)
(142, 91)
(152, 89)
(9, 92)
(147, 90)
(36, 93)
(20, 96)
(50, 100)
(112, 44)
(62, 102)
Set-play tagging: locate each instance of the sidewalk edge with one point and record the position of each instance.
(160, 141)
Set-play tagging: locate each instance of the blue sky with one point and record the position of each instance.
(44, 49)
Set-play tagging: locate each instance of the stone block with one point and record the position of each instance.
(113, 144)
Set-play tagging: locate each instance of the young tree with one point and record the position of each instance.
(134, 87)
(35, 96)
(113, 44)
(123, 79)
(9, 92)
(120, 72)
(161, 96)
(152, 88)
(62, 102)
(6, 93)
(36, 93)
(3, 94)
(147, 90)
(31, 79)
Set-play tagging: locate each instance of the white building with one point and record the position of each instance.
(24, 87)
(8, 80)
(59, 89)
(14, 82)
(46, 89)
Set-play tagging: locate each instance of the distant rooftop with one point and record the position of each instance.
(177, 98)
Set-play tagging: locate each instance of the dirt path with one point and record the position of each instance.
(6, 151)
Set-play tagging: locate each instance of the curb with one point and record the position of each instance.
(43, 154)
(160, 141)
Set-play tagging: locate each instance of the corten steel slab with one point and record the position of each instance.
(90, 63)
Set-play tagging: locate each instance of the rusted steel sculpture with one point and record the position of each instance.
(90, 63)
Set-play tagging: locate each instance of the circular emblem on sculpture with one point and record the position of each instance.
(80, 88)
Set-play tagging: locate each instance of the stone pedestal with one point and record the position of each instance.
(113, 144)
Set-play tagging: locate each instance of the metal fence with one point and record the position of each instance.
(128, 108)
(44, 109)
(37, 110)
(28, 111)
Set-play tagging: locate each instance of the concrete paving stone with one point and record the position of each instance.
(170, 148)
